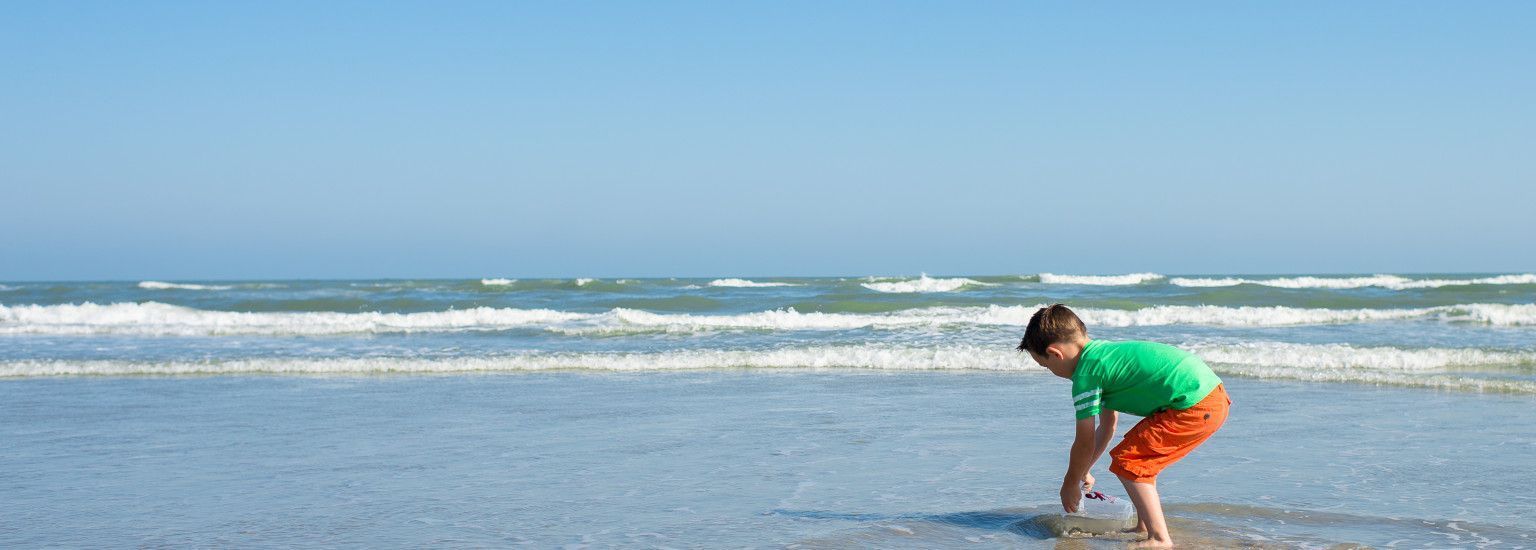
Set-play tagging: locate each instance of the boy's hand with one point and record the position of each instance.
(1071, 496)
(1087, 483)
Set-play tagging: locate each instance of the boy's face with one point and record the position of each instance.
(1056, 360)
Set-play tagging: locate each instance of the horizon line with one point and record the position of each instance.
(717, 277)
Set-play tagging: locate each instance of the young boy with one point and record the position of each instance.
(1183, 403)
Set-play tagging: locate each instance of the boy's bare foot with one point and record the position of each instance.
(1152, 543)
(1140, 532)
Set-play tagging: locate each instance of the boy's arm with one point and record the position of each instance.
(1079, 462)
(1103, 434)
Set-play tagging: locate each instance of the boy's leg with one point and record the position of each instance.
(1149, 512)
(1156, 442)
(1140, 529)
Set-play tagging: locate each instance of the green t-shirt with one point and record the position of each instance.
(1138, 378)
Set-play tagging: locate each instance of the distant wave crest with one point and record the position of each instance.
(160, 285)
(154, 318)
(923, 283)
(498, 282)
(1099, 280)
(1393, 282)
(743, 283)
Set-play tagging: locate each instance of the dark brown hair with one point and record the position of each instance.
(1050, 325)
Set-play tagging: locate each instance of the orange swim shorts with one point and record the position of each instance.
(1165, 437)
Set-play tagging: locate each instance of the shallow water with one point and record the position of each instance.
(764, 458)
(1373, 409)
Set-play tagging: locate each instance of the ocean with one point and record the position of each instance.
(1371, 410)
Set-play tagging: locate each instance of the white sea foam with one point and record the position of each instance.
(743, 283)
(153, 318)
(1203, 283)
(1392, 378)
(1322, 357)
(1245, 316)
(498, 282)
(1393, 282)
(1425, 368)
(1100, 280)
(923, 283)
(160, 285)
(1497, 314)
(622, 320)
(820, 357)
(1432, 368)
(1490, 314)
(585, 281)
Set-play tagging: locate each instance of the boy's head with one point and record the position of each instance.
(1054, 339)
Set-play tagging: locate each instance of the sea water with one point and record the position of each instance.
(1375, 409)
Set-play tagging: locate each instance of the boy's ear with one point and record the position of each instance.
(1054, 352)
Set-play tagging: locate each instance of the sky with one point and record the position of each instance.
(261, 140)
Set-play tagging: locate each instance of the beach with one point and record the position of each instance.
(673, 275)
(1380, 410)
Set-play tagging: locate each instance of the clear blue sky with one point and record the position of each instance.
(184, 140)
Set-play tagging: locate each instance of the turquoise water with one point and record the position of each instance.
(1381, 410)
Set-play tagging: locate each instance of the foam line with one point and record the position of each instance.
(923, 283)
(1427, 368)
(822, 357)
(1347, 357)
(160, 285)
(1393, 282)
(154, 318)
(743, 283)
(1099, 280)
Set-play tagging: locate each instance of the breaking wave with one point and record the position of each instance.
(1434, 368)
(154, 318)
(865, 357)
(1320, 357)
(159, 285)
(1100, 280)
(1440, 368)
(1393, 282)
(923, 283)
(498, 282)
(743, 283)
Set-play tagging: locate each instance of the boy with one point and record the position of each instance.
(1183, 403)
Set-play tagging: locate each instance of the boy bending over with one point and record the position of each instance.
(1181, 400)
